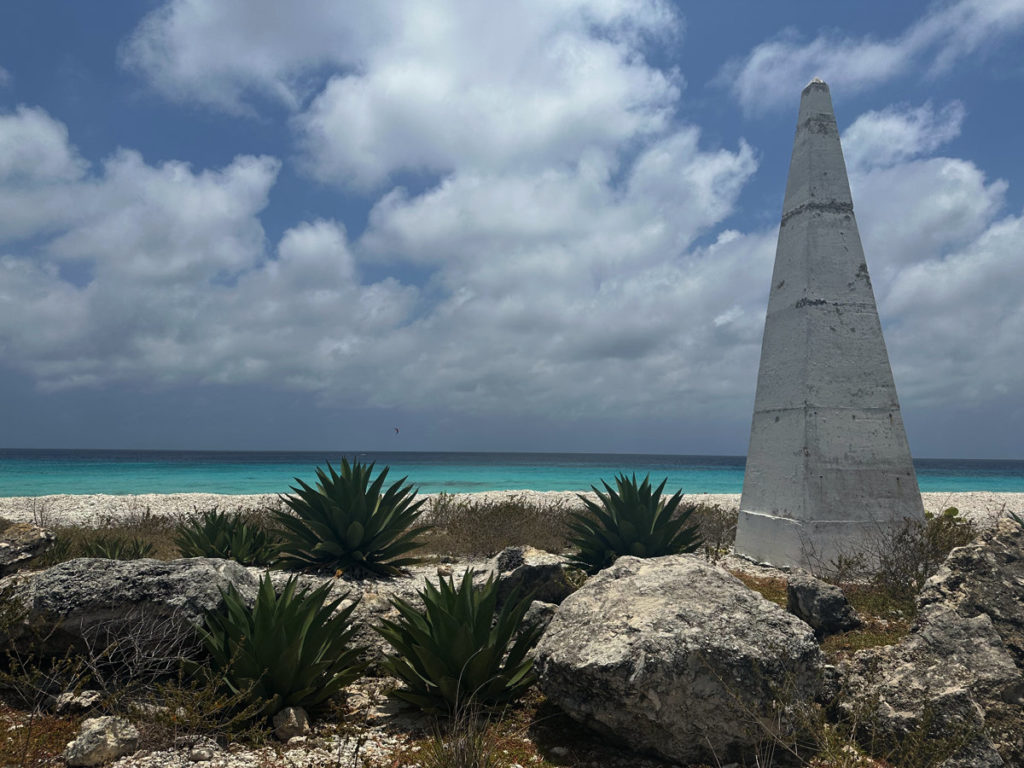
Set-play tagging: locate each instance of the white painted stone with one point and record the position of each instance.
(828, 464)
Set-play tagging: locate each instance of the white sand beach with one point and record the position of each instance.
(98, 509)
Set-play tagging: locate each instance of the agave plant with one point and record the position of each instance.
(630, 520)
(239, 537)
(348, 523)
(455, 652)
(288, 650)
(117, 548)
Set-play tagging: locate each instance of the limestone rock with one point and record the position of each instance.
(539, 614)
(986, 577)
(101, 740)
(821, 605)
(19, 543)
(201, 754)
(77, 603)
(549, 578)
(673, 656)
(72, 703)
(291, 722)
(958, 678)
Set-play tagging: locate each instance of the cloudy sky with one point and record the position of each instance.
(529, 225)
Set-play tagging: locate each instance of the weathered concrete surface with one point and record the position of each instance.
(828, 461)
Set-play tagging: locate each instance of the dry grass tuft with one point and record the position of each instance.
(478, 528)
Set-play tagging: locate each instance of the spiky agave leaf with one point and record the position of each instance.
(236, 536)
(631, 519)
(287, 650)
(351, 523)
(117, 548)
(455, 652)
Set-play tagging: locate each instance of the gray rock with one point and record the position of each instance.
(539, 614)
(549, 578)
(291, 722)
(986, 577)
(72, 703)
(957, 680)
(201, 754)
(101, 740)
(821, 605)
(19, 543)
(80, 603)
(676, 657)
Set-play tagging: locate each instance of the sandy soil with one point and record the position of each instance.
(99, 508)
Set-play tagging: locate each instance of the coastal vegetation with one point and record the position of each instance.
(456, 652)
(349, 523)
(245, 537)
(460, 650)
(632, 520)
(292, 649)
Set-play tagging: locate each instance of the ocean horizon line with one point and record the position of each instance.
(448, 452)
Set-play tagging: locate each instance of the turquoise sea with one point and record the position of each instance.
(41, 472)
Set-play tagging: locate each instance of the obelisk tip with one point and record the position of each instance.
(816, 83)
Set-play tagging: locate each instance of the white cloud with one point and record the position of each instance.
(168, 224)
(420, 85)
(222, 52)
(885, 137)
(6, 78)
(36, 166)
(34, 148)
(917, 209)
(580, 291)
(179, 284)
(958, 319)
(507, 94)
(562, 291)
(773, 71)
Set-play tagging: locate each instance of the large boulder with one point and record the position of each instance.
(822, 605)
(955, 684)
(677, 657)
(81, 604)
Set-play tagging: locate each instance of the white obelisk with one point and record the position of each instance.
(828, 466)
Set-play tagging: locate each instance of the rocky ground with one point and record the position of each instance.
(958, 672)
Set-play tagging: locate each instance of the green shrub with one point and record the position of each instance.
(631, 520)
(910, 553)
(455, 652)
(1017, 519)
(117, 548)
(349, 524)
(235, 536)
(290, 650)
